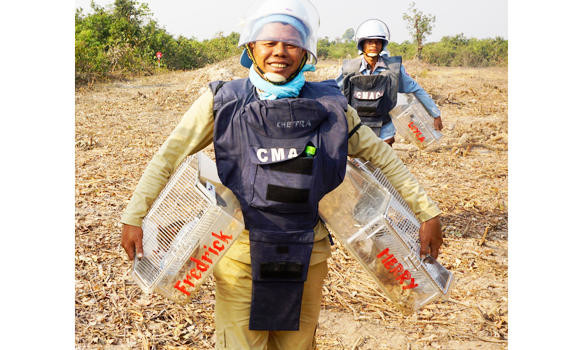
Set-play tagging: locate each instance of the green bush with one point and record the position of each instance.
(461, 51)
(405, 49)
(123, 40)
(337, 49)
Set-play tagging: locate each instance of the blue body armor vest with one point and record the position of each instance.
(373, 96)
(262, 156)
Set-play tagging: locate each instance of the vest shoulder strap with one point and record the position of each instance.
(394, 63)
(224, 91)
(392, 59)
(216, 85)
(325, 92)
(351, 66)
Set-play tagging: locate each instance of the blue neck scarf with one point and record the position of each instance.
(270, 91)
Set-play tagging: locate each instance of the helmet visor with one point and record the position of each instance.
(291, 21)
(373, 29)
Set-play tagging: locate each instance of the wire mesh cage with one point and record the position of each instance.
(189, 227)
(413, 122)
(376, 225)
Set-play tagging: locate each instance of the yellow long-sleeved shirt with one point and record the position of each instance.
(195, 131)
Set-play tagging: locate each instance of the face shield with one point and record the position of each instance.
(294, 22)
(372, 29)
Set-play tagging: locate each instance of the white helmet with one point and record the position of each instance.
(372, 29)
(300, 14)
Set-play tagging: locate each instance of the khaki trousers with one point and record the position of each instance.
(232, 310)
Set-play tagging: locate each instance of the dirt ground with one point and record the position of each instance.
(120, 125)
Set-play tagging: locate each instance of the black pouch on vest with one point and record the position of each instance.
(280, 262)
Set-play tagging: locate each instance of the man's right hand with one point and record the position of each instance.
(132, 240)
(438, 123)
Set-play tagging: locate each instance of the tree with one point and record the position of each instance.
(131, 10)
(419, 25)
(348, 35)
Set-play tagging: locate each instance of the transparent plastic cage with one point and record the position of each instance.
(188, 229)
(376, 225)
(413, 122)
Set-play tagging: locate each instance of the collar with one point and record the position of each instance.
(365, 66)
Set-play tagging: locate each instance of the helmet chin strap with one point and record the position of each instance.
(275, 78)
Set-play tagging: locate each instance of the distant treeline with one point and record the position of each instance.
(122, 40)
(458, 51)
(450, 51)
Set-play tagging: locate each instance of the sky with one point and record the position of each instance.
(203, 19)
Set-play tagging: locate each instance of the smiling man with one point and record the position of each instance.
(281, 144)
(278, 52)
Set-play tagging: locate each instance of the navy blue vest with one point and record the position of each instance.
(279, 157)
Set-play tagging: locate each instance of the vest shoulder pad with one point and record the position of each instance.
(394, 63)
(224, 91)
(392, 59)
(351, 66)
(326, 90)
(214, 86)
(229, 87)
(325, 85)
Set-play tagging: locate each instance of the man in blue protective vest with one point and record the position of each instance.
(371, 82)
(281, 144)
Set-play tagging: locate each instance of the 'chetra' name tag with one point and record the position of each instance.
(292, 124)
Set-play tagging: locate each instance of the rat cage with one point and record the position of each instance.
(413, 122)
(190, 226)
(374, 223)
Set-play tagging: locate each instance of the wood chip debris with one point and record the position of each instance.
(118, 128)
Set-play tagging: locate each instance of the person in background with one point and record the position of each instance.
(371, 82)
(281, 144)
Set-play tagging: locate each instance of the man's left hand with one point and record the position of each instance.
(431, 237)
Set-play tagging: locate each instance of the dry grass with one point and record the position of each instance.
(120, 125)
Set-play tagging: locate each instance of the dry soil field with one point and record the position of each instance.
(120, 125)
